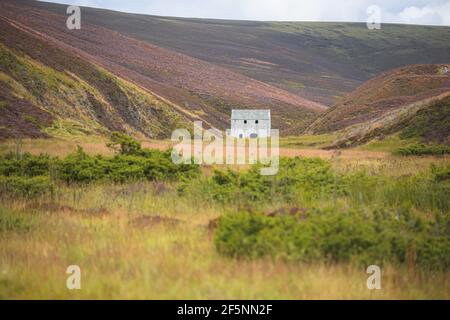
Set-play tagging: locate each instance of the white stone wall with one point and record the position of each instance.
(240, 129)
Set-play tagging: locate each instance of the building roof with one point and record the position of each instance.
(246, 114)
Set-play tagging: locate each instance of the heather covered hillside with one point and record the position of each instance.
(190, 87)
(390, 91)
(321, 61)
(411, 101)
(176, 70)
(46, 91)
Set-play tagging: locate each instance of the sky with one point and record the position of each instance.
(431, 12)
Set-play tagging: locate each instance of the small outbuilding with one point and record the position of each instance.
(250, 123)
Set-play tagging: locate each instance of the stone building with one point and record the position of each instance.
(250, 123)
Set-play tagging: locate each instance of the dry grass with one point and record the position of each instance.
(122, 259)
(143, 241)
(62, 147)
(96, 145)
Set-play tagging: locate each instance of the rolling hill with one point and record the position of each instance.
(413, 101)
(321, 61)
(45, 91)
(426, 121)
(147, 74)
(389, 91)
(193, 89)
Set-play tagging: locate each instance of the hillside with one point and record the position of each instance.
(321, 61)
(426, 121)
(187, 86)
(147, 75)
(46, 91)
(412, 102)
(387, 93)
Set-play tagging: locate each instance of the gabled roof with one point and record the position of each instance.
(246, 114)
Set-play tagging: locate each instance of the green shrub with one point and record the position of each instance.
(374, 237)
(422, 149)
(248, 186)
(79, 167)
(124, 169)
(297, 179)
(307, 178)
(25, 186)
(24, 165)
(132, 163)
(308, 182)
(124, 144)
(152, 165)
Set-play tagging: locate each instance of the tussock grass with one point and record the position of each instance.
(119, 260)
(143, 239)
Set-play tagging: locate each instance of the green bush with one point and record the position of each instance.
(82, 168)
(297, 178)
(24, 165)
(422, 149)
(365, 238)
(124, 144)
(131, 163)
(309, 182)
(247, 186)
(152, 165)
(307, 178)
(25, 186)
(125, 169)
(79, 167)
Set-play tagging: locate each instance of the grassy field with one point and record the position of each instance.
(144, 240)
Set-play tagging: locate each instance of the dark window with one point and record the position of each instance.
(245, 121)
(256, 121)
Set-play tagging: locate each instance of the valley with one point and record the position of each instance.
(88, 177)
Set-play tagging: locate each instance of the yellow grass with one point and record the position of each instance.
(349, 159)
(62, 147)
(122, 258)
(122, 255)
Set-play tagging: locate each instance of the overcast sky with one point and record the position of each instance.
(432, 12)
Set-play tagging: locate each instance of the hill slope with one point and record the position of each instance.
(412, 101)
(45, 90)
(427, 121)
(194, 88)
(386, 93)
(179, 70)
(320, 61)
